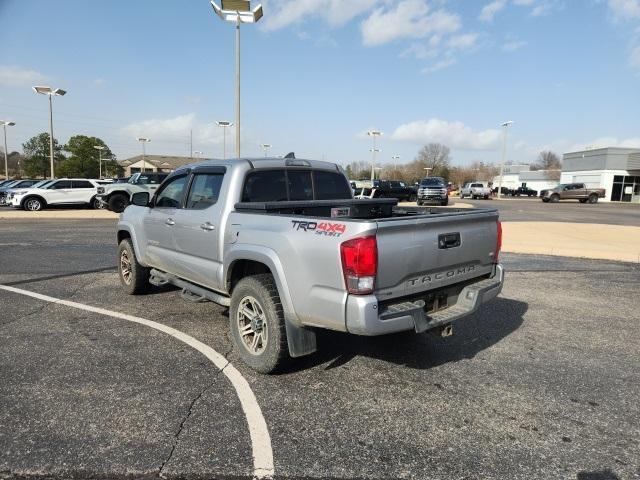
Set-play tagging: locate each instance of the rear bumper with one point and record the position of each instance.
(364, 316)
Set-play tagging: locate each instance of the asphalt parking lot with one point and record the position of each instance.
(541, 383)
(534, 210)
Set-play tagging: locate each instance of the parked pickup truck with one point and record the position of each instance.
(117, 196)
(388, 189)
(529, 192)
(433, 190)
(475, 190)
(283, 244)
(572, 191)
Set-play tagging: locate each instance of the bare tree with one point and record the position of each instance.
(550, 162)
(435, 156)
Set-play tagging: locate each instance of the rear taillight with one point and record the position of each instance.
(496, 257)
(359, 264)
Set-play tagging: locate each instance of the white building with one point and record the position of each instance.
(514, 176)
(617, 170)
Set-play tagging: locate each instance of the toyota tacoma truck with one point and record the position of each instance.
(116, 196)
(572, 191)
(283, 244)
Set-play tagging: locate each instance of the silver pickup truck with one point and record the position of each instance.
(286, 247)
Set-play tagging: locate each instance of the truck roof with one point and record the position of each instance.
(262, 162)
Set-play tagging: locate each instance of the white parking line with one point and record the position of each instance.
(260, 438)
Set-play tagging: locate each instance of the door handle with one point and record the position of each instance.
(170, 222)
(207, 226)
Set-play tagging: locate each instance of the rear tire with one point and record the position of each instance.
(256, 321)
(118, 202)
(133, 276)
(593, 198)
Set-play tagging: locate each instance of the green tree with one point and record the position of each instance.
(83, 161)
(36, 151)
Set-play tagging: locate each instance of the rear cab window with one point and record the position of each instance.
(279, 185)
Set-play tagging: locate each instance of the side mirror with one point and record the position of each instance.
(141, 199)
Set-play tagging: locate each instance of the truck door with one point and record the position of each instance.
(199, 228)
(160, 222)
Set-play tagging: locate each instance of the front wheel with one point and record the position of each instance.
(118, 202)
(33, 204)
(554, 198)
(256, 321)
(583, 200)
(412, 198)
(133, 276)
(97, 204)
(444, 203)
(419, 202)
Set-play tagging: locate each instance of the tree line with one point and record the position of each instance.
(434, 159)
(76, 159)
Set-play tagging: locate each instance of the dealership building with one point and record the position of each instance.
(514, 176)
(617, 170)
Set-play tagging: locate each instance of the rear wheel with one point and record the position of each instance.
(33, 204)
(593, 198)
(256, 320)
(118, 202)
(133, 276)
(554, 198)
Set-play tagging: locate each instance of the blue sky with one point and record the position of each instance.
(318, 73)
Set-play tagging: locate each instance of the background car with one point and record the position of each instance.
(521, 191)
(65, 191)
(15, 184)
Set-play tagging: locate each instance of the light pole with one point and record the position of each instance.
(224, 125)
(237, 11)
(99, 148)
(144, 141)
(5, 124)
(428, 169)
(505, 127)
(44, 90)
(265, 147)
(374, 150)
(395, 159)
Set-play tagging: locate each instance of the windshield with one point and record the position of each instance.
(134, 178)
(434, 181)
(41, 184)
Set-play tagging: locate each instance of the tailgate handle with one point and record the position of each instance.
(449, 240)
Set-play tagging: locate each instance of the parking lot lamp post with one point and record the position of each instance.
(265, 147)
(374, 134)
(505, 127)
(224, 125)
(144, 141)
(237, 11)
(395, 159)
(6, 124)
(428, 169)
(99, 148)
(44, 90)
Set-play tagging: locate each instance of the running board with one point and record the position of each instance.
(190, 291)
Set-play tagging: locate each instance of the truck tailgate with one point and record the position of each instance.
(424, 253)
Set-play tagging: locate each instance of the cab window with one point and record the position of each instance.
(265, 186)
(172, 192)
(330, 186)
(205, 189)
(81, 184)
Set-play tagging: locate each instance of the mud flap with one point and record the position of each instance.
(301, 341)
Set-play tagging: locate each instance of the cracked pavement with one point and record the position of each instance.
(542, 383)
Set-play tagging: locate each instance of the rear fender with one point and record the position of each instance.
(301, 340)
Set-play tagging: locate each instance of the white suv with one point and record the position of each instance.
(65, 191)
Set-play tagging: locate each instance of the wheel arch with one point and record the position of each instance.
(33, 195)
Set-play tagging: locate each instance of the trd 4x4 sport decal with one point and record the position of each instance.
(323, 228)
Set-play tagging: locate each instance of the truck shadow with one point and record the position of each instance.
(489, 325)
